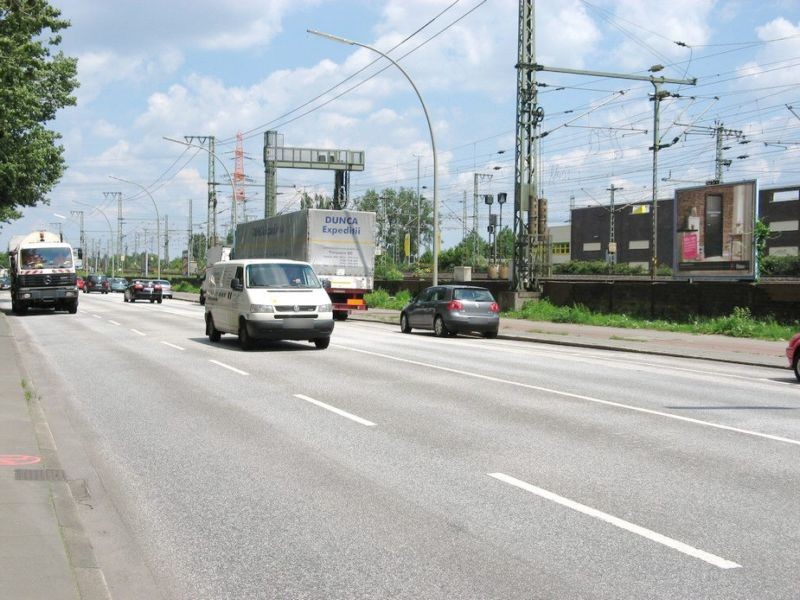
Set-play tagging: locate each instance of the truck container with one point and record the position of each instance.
(42, 273)
(339, 245)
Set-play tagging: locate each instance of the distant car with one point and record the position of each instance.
(79, 282)
(5, 283)
(452, 309)
(793, 354)
(118, 284)
(142, 289)
(96, 283)
(166, 288)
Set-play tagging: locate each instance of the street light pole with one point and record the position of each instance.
(342, 40)
(158, 221)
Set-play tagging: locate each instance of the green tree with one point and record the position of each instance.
(505, 243)
(35, 81)
(397, 216)
(463, 254)
(199, 249)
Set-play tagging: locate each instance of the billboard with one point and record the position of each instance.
(714, 227)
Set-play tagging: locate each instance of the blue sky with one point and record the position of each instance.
(153, 69)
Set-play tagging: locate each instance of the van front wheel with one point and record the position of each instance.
(212, 332)
(244, 337)
(322, 343)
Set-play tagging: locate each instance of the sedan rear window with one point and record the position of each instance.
(473, 295)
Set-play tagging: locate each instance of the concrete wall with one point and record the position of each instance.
(678, 300)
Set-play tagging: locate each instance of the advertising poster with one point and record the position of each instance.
(714, 226)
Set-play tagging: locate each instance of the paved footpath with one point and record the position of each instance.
(44, 552)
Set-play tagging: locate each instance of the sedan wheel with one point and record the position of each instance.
(490, 335)
(439, 328)
(404, 326)
(322, 343)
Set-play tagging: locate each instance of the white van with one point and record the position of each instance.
(267, 299)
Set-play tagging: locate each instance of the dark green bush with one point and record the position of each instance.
(780, 266)
(597, 267)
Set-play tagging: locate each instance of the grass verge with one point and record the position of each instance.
(740, 323)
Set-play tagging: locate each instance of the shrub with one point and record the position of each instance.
(381, 299)
(780, 266)
(598, 267)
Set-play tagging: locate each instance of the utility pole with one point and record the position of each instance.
(612, 244)
(211, 227)
(418, 207)
(720, 133)
(118, 197)
(478, 177)
(166, 240)
(528, 117)
(464, 218)
(146, 256)
(189, 237)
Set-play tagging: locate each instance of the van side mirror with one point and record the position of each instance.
(236, 284)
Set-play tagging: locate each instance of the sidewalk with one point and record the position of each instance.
(645, 341)
(43, 548)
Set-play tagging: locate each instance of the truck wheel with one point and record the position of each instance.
(244, 337)
(211, 331)
(159, 300)
(152, 300)
(340, 315)
(20, 309)
(72, 307)
(202, 299)
(322, 343)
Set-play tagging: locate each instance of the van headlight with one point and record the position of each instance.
(325, 308)
(262, 308)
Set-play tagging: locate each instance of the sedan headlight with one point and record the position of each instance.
(325, 308)
(262, 308)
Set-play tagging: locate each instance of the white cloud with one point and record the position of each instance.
(104, 129)
(97, 71)
(776, 63)
(649, 29)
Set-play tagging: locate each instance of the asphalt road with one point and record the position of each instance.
(407, 466)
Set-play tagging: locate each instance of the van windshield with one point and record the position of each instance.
(280, 275)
